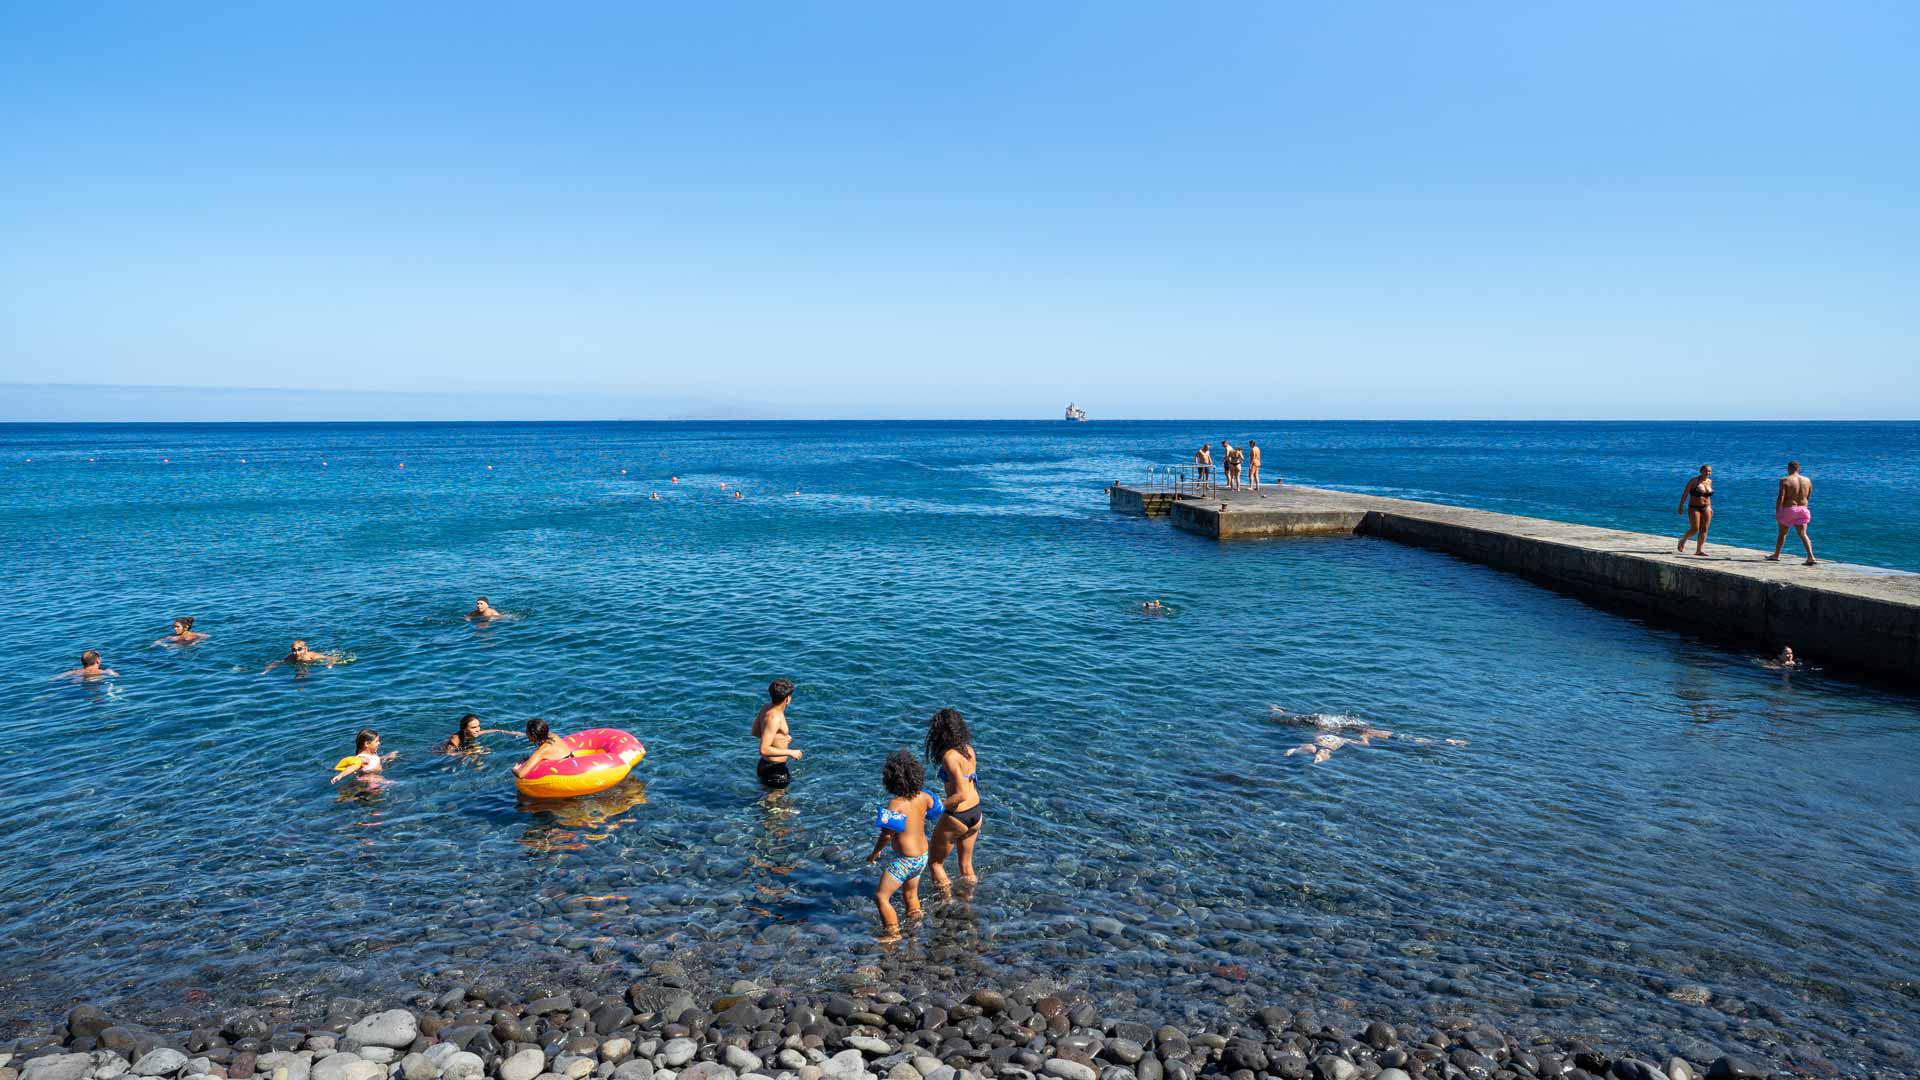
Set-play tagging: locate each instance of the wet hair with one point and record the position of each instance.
(780, 690)
(903, 774)
(479, 600)
(537, 730)
(364, 739)
(460, 736)
(1793, 466)
(90, 658)
(185, 622)
(947, 731)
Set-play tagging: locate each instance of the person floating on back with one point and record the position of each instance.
(183, 633)
(950, 748)
(1696, 501)
(902, 821)
(367, 760)
(1790, 511)
(483, 611)
(467, 738)
(776, 740)
(89, 667)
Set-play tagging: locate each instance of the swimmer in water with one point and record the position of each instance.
(655, 496)
(776, 739)
(300, 656)
(89, 667)
(1323, 746)
(1786, 659)
(367, 760)
(1153, 607)
(467, 738)
(904, 827)
(546, 747)
(483, 611)
(183, 633)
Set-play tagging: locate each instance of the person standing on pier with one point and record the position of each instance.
(1203, 466)
(1253, 464)
(1791, 512)
(1696, 501)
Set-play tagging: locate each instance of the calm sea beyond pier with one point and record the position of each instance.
(1604, 835)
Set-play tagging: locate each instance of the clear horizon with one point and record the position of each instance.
(1370, 212)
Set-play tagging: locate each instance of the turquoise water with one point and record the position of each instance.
(1634, 811)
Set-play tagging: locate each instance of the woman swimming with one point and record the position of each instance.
(467, 738)
(1696, 500)
(183, 633)
(950, 747)
(546, 747)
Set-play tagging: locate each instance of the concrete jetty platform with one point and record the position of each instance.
(1835, 613)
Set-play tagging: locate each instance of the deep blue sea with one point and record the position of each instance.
(1637, 818)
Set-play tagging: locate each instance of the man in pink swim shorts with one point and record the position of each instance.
(1790, 511)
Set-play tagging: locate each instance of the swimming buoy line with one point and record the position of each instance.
(895, 821)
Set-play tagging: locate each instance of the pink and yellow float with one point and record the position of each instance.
(602, 758)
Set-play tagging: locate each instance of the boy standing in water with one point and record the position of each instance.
(776, 741)
(902, 821)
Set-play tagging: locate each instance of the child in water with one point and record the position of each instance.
(366, 760)
(903, 823)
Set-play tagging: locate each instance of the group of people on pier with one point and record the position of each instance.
(1232, 458)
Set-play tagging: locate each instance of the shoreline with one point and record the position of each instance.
(662, 1029)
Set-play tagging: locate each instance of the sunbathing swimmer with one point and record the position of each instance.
(483, 611)
(546, 747)
(467, 739)
(301, 656)
(367, 760)
(183, 633)
(89, 667)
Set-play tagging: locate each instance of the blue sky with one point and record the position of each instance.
(1356, 210)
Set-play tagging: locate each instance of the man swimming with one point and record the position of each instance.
(89, 667)
(183, 633)
(301, 656)
(483, 611)
(776, 740)
(1790, 511)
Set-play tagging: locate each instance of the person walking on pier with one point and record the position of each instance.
(1253, 464)
(1790, 511)
(1696, 501)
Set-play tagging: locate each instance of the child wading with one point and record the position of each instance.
(903, 823)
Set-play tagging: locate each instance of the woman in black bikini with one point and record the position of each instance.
(950, 747)
(1696, 500)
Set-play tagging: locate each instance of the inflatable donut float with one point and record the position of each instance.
(602, 757)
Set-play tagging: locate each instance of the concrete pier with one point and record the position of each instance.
(1837, 614)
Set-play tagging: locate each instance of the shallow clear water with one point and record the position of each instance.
(1635, 810)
